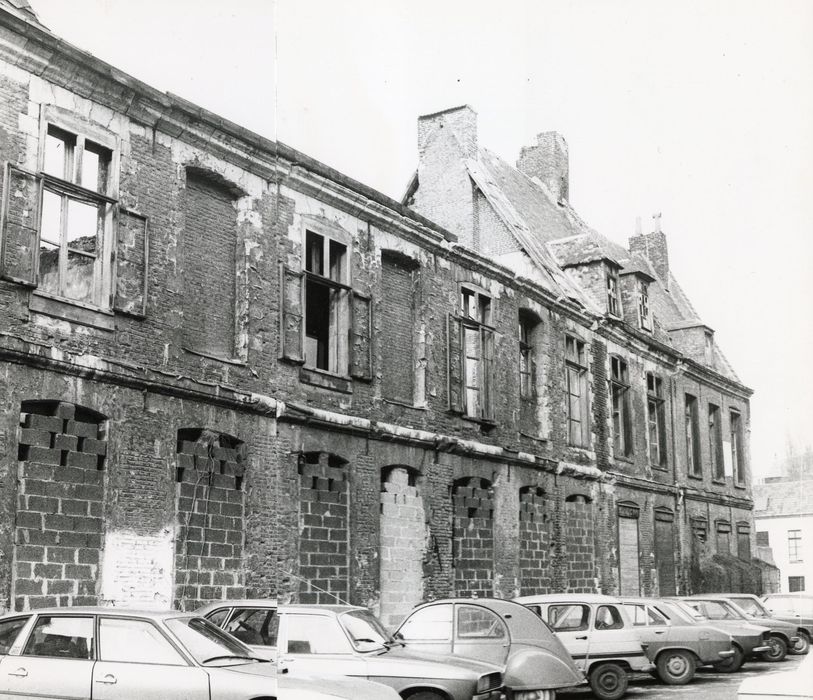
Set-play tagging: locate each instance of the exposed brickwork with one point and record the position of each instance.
(578, 545)
(535, 540)
(59, 520)
(473, 537)
(323, 548)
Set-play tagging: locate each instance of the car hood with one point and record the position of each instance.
(532, 668)
(775, 624)
(400, 661)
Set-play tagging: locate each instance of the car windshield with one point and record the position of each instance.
(721, 610)
(751, 607)
(207, 643)
(365, 631)
(693, 610)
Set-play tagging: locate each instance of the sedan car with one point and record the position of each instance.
(345, 640)
(676, 646)
(499, 631)
(784, 635)
(796, 608)
(599, 636)
(112, 654)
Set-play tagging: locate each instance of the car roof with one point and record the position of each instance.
(273, 603)
(104, 610)
(709, 596)
(567, 598)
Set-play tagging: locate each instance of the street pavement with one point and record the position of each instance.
(707, 684)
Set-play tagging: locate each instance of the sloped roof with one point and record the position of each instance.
(792, 497)
(22, 9)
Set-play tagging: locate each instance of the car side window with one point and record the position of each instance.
(432, 623)
(316, 634)
(637, 613)
(608, 618)
(568, 617)
(654, 617)
(137, 642)
(9, 630)
(218, 617)
(257, 626)
(479, 623)
(64, 637)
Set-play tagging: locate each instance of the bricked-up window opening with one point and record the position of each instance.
(763, 540)
(324, 528)
(534, 540)
(665, 551)
(737, 454)
(613, 296)
(644, 320)
(579, 546)
(744, 541)
(471, 356)
(795, 546)
(621, 414)
(691, 424)
(723, 529)
(717, 463)
(326, 304)
(656, 420)
(578, 416)
(75, 217)
(700, 529)
(796, 584)
(59, 518)
(210, 505)
(628, 550)
(399, 275)
(473, 536)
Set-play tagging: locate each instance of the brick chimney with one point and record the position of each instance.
(462, 121)
(653, 247)
(548, 161)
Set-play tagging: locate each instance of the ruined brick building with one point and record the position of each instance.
(230, 370)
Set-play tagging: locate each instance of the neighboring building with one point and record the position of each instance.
(230, 370)
(783, 517)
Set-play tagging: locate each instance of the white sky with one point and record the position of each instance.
(700, 110)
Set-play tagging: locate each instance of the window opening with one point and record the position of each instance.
(613, 300)
(691, 434)
(716, 443)
(577, 405)
(795, 546)
(622, 423)
(477, 355)
(643, 305)
(656, 420)
(737, 457)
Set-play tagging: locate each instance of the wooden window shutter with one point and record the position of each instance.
(132, 262)
(487, 379)
(454, 357)
(292, 314)
(361, 364)
(19, 225)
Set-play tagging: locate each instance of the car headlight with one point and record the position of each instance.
(490, 681)
(534, 695)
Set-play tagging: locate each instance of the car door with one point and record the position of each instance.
(571, 622)
(56, 660)
(136, 660)
(315, 644)
(479, 633)
(257, 627)
(650, 626)
(611, 638)
(428, 629)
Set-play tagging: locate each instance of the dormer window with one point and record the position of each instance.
(613, 297)
(643, 305)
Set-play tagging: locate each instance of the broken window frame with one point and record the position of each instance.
(578, 402)
(737, 456)
(694, 466)
(476, 354)
(335, 356)
(716, 461)
(620, 407)
(656, 421)
(613, 293)
(643, 305)
(527, 356)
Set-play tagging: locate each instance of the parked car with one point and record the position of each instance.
(796, 608)
(110, 654)
(598, 634)
(345, 640)
(535, 661)
(783, 634)
(748, 640)
(675, 646)
(785, 685)
(753, 607)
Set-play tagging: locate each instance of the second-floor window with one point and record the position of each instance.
(716, 443)
(692, 429)
(326, 304)
(794, 546)
(613, 298)
(656, 420)
(578, 418)
(527, 361)
(737, 456)
(622, 420)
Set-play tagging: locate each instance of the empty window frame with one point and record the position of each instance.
(737, 455)
(656, 420)
(613, 297)
(527, 356)
(692, 430)
(326, 304)
(477, 337)
(794, 546)
(643, 305)
(621, 409)
(75, 217)
(716, 461)
(578, 419)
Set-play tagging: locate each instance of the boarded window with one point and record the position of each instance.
(744, 541)
(397, 328)
(665, 551)
(723, 537)
(628, 553)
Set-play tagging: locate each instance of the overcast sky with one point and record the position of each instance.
(700, 110)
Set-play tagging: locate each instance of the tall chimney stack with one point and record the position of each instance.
(652, 246)
(548, 160)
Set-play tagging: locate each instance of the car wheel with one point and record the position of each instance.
(676, 667)
(425, 695)
(608, 681)
(778, 650)
(802, 646)
(732, 663)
